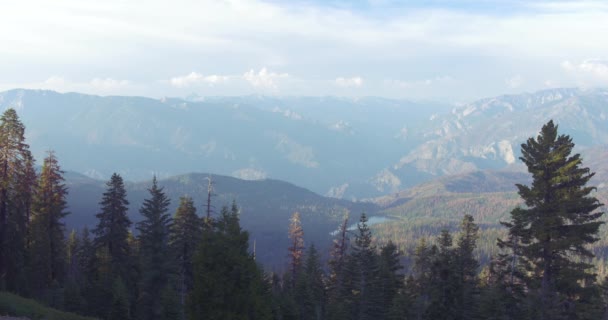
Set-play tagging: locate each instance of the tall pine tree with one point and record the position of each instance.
(154, 244)
(557, 225)
(228, 284)
(113, 256)
(184, 237)
(17, 180)
(48, 256)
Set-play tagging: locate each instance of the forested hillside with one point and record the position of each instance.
(265, 207)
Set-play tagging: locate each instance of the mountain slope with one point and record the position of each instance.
(487, 134)
(313, 142)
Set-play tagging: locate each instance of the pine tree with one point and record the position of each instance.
(119, 308)
(558, 223)
(466, 269)
(390, 280)
(112, 230)
(423, 257)
(337, 290)
(228, 284)
(310, 291)
(17, 179)
(367, 298)
(153, 242)
(184, 237)
(296, 249)
(48, 252)
(442, 284)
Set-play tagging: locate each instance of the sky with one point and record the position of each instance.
(451, 51)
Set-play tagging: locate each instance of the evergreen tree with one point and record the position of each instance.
(337, 290)
(296, 249)
(119, 308)
(112, 230)
(310, 291)
(367, 299)
(17, 180)
(227, 282)
(555, 228)
(153, 242)
(466, 269)
(73, 293)
(184, 237)
(390, 280)
(442, 284)
(48, 252)
(423, 257)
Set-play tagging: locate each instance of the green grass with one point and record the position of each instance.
(14, 305)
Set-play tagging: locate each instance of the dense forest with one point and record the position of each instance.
(195, 264)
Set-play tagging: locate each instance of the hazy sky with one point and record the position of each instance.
(431, 50)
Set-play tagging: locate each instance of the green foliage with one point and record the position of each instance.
(184, 237)
(153, 252)
(113, 224)
(119, 308)
(17, 306)
(227, 282)
(17, 180)
(390, 282)
(552, 233)
(47, 244)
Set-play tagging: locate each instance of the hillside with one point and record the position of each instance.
(489, 196)
(266, 206)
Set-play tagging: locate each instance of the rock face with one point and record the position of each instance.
(487, 134)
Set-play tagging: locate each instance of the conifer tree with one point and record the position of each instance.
(153, 242)
(423, 257)
(310, 291)
(367, 300)
(48, 252)
(337, 291)
(390, 280)
(558, 223)
(466, 269)
(17, 180)
(227, 282)
(119, 308)
(296, 249)
(112, 230)
(73, 298)
(184, 237)
(442, 284)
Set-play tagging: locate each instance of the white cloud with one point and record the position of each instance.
(514, 82)
(354, 82)
(309, 39)
(195, 78)
(264, 79)
(587, 72)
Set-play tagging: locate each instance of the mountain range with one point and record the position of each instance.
(344, 148)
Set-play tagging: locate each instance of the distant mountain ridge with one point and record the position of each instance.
(314, 142)
(345, 148)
